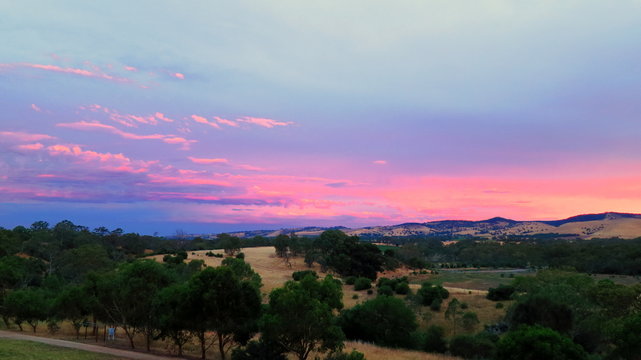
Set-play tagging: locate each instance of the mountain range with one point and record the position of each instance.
(588, 226)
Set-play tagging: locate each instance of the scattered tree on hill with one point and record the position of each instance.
(537, 342)
(384, 320)
(300, 319)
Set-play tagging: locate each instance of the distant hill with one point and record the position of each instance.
(588, 226)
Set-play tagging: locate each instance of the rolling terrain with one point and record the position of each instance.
(589, 226)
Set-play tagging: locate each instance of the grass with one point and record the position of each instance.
(373, 352)
(29, 350)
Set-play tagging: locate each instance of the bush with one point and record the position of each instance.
(469, 321)
(354, 355)
(428, 293)
(355, 296)
(403, 289)
(259, 350)
(240, 256)
(501, 293)
(300, 275)
(385, 290)
(362, 283)
(436, 304)
(537, 342)
(499, 305)
(480, 346)
(370, 292)
(435, 340)
(385, 320)
(464, 305)
(350, 280)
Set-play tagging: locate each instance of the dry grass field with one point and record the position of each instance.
(373, 352)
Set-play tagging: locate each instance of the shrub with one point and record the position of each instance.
(481, 346)
(350, 280)
(355, 296)
(370, 292)
(259, 350)
(464, 305)
(501, 293)
(537, 342)
(469, 321)
(354, 355)
(240, 256)
(362, 283)
(435, 340)
(385, 320)
(403, 288)
(300, 275)
(436, 304)
(385, 290)
(499, 305)
(428, 293)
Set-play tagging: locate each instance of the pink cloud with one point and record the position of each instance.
(162, 117)
(380, 162)
(174, 180)
(128, 120)
(226, 122)
(202, 120)
(35, 108)
(249, 167)
(36, 146)
(264, 122)
(130, 68)
(169, 139)
(208, 161)
(94, 73)
(25, 137)
(179, 76)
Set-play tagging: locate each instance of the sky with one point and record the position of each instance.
(210, 116)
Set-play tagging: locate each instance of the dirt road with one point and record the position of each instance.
(85, 347)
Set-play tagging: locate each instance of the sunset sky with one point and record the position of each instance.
(211, 116)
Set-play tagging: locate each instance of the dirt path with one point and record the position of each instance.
(85, 347)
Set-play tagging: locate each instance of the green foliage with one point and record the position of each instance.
(230, 244)
(385, 290)
(540, 310)
(259, 350)
(435, 339)
(243, 272)
(344, 254)
(299, 275)
(281, 244)
(480, 346)
(384, 320)
(627, 338)
(354, 355)
(399, 285)
(350, 280)
(537, 342)
(428, 293)
(436, 304)
(469, 321)
(300, 318)
(362, 283)
(217, 300)
(28, 305)
(501, 293)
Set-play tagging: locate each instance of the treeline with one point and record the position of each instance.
(603, 256)
(560, 315)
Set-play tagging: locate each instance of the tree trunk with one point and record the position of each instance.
(203, 349)
(20, 326)
(34, 326)
(148, 334)
(221, 346)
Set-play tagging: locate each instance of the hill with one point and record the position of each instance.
(587, 226)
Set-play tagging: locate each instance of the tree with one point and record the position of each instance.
(537, 342)
(281, 244)
(384, 320)
(170, 309)
(480, 346)
(452, 312)
(28, 305)
(435, 339)
(501, 293)
(218, 301)
(300, 319)
(469, 321)
(73, 304)
(627, 338)
(230, 244)
(540, 310)
(428, 293)
(259, 350)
